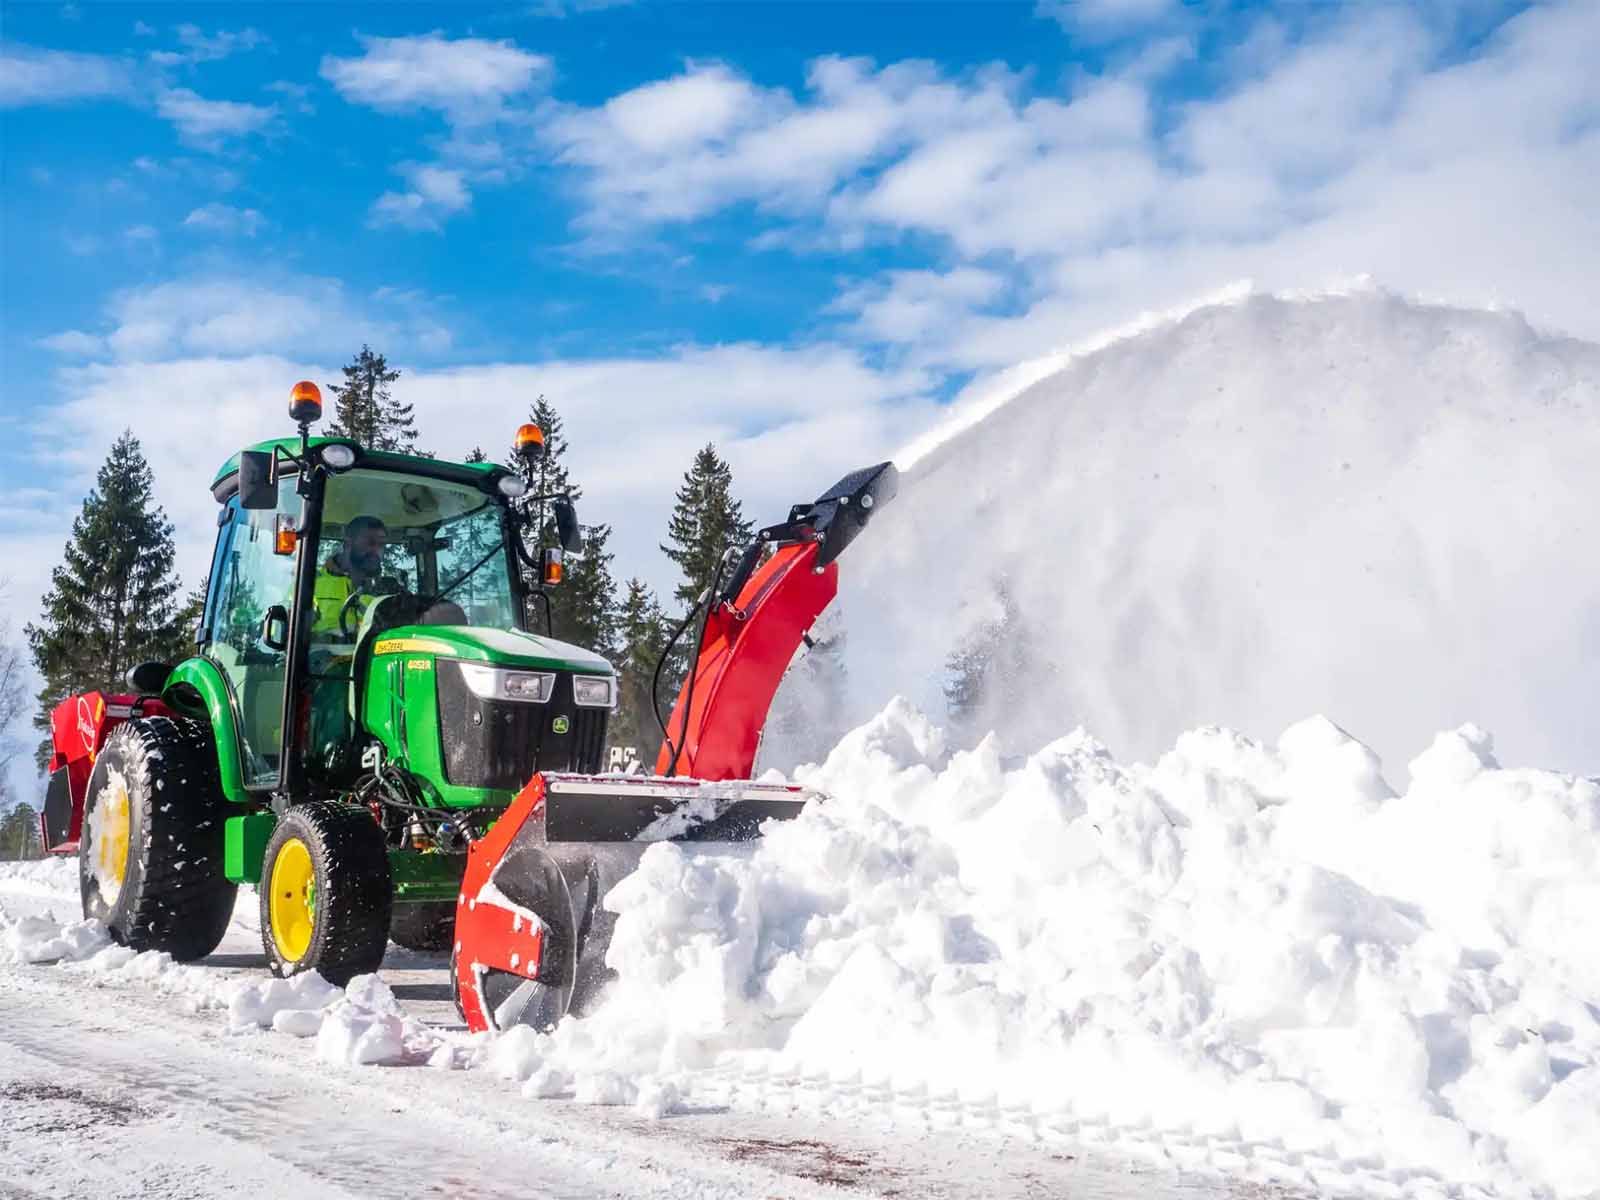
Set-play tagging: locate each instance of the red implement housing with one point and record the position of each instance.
(531, 928)
(79, 726)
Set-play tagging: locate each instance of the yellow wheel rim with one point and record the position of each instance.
(110, 842)
(292, 906)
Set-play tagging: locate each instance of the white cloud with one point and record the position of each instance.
(1107, 18)
(901, 307)
(567, 8)
(435, 193)
(197, 47)
(208, 123)
(224, 221)
(296, 95)
(686, 146)
(235, 314)
(469, 81)
(29, 75)
(468, 78)
(74, 343)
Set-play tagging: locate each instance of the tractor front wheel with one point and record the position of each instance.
(326, 893)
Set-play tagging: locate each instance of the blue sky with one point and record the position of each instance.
(799, 230)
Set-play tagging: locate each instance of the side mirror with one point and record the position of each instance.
(258, 480)
(275, 628)
(567, 525)
(148, 678)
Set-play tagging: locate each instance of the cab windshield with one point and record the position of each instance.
(385, 533)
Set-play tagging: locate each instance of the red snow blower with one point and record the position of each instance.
(531, 928)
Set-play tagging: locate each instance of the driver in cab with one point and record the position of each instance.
(350, 570)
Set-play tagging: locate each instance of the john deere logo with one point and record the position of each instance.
(560, 725)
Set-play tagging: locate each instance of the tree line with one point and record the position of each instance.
(115, 599)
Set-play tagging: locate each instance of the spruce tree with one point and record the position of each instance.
(642, 635)
(476, 455)
(585, 604)
(19, 833)
(706, 522)
(365, 410)
(583, 608)
(114, 600)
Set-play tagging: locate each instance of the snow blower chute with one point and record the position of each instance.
(531, 931)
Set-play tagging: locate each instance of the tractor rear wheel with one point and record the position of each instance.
(150, 852)
(326, 893)
(428, 926)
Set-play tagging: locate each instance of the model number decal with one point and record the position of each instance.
(402, 645)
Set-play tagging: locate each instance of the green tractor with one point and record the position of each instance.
(366, 696)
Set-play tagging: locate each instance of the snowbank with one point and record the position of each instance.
(1242, 945)
(1247, 512)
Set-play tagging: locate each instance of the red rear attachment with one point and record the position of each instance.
(79, 726)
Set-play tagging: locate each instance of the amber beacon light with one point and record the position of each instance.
(530, 443)
(305, 403)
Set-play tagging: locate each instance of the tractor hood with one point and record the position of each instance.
(502, 647)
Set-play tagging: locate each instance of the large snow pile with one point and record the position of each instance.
(1351, 504)
(1244, 944)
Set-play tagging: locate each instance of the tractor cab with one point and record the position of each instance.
(367, 605)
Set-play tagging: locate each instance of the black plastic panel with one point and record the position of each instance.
(501, 743)
(57, 809)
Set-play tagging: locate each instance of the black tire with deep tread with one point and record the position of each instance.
(354, 891)
(429, 926)
(174, 896)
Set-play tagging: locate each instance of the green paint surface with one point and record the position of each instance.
(381, 460)
(244, 845)
(421, 876)
(514, 648)
(216, 706)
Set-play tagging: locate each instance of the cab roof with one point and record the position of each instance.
(382, 460)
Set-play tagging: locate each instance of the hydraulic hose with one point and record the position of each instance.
(708, 600)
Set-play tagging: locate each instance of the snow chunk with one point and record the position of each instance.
(368, 1026)
(45, 940)
(300, 1000)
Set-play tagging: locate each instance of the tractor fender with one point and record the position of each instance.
(197, 688)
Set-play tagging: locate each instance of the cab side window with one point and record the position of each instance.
(252, 580)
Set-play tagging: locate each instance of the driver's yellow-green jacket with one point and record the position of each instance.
(328, 596)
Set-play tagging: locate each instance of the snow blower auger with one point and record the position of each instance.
(531, 931)
(372, 728)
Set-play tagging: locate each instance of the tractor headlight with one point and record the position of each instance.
(496, 683)
(511, 486)
(594, 691)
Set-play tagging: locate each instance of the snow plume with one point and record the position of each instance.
(1243, 945)
(1261, 507)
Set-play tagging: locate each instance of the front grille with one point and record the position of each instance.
(589, 740)
(501, 743)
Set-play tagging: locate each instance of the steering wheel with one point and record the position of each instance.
(384, 585)
(345, 610)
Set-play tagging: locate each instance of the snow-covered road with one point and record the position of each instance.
(117, 1083)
